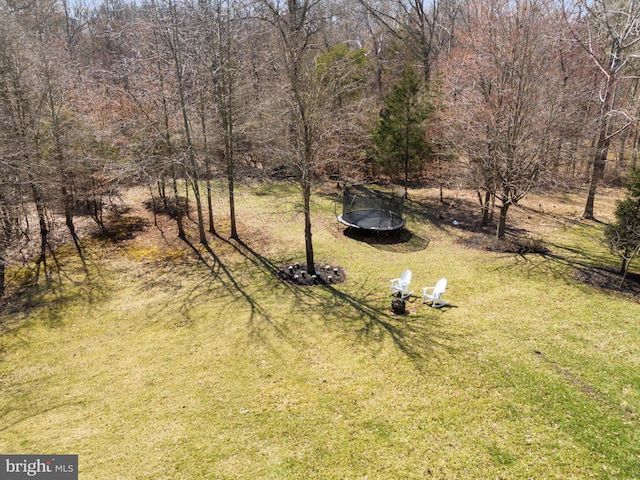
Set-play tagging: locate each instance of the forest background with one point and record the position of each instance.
(501, 97)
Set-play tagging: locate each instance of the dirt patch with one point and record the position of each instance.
(324, 274)
(610, 280)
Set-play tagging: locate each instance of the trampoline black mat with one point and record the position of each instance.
(372, 220)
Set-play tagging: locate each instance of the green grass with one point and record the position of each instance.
(172, 364)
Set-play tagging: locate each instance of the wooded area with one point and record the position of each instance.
(505, 97)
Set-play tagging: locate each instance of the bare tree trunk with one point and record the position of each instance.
(174, 43)
(231, 188)
(187, 210)
(485, 206)
(207, 164)
(621, 153)
(44, 230)
(406, 166)
(597, 170)
(68, 201)
(179, 207)
(162, 193)
(224, 95)
(5, 239)
(227, 129)
(3, 260)
(97, 202)
(502, 222)
(154, 207)
(307, 225)
(610, 40)
(54, 106)
(602, 146)
(634, 153)
(295, 26)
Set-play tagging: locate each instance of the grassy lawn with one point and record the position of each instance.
(180, 362)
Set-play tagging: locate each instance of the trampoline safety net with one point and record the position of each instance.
(371, 209)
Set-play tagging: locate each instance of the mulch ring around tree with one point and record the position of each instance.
(324, 274)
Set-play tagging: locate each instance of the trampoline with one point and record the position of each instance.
(367, 209)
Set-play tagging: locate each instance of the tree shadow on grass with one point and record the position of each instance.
(611, 280)
(62, 285)
(579, 257)
(460, 213)
(418, 337)
(51, 299)
(9, 417)
(221, 278)
(400, 241)
(574, 264)
(557, 263)
(24, 399)
(121, 228)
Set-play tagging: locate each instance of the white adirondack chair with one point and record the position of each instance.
(401, 285)
(435, 297)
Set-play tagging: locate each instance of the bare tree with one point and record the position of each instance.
(19, 101)
(609, 31)
(319, 94)
(220, 33)
(506, 98)
(168, 21)
(425, 28)
(10, 199)
(57, 128)
(297, 28)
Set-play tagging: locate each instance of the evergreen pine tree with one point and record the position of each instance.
(399, 138)
(623, 236)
